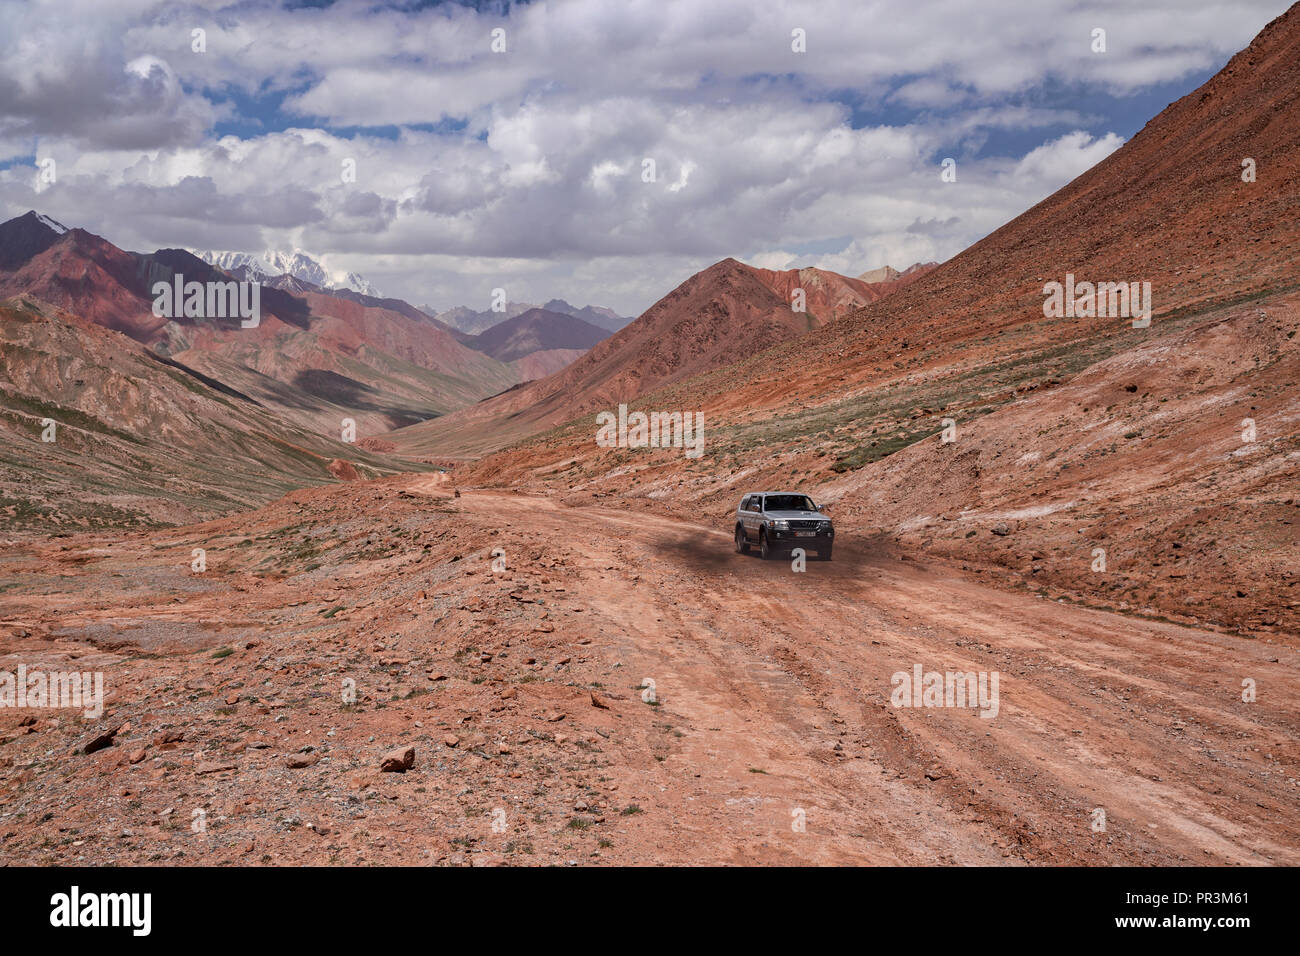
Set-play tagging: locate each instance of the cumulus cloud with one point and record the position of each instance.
(393, 140)
(1063, 159)
(67, 70)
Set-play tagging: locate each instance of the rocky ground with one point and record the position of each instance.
(1172, 456)
(230, 735)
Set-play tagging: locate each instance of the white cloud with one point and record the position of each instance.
(1063, 159)
(537, 184)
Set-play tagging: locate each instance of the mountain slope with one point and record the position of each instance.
(710, 319)
(138, 439)
(546, 362)
(883, 274)
(316, 357)
(827, 295)
(597, 315)
(380, 368)
(713, 318)
(465, 319)
(1175, 448)
(536, 330)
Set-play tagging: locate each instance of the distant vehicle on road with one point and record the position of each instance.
(781, 520)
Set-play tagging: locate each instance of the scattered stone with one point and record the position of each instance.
(598, 701)
(299, 761)
(342, 470)
(398, 761)
(213, 766)
(100, 741)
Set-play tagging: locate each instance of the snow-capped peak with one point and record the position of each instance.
(296, 263)
(360, 284)
(58, 227)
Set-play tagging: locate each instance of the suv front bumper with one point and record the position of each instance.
(795, 538)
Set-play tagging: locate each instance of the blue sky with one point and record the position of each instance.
(523, 165)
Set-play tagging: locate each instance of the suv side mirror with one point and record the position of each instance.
(821, 507)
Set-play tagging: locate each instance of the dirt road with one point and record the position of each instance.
(770, 738)
(790, 672)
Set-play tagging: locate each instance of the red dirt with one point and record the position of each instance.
(764, 708)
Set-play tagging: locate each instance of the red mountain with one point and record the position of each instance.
(315, 357)
(720, 315)
(829, 295)
(536, 330)
(1172, 448)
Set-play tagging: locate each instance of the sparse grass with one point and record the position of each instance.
(878, 448)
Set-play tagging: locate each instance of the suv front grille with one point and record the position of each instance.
(805, 525)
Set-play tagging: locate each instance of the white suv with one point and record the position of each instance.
(776, 520)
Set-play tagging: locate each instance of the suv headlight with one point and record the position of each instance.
(779, 525)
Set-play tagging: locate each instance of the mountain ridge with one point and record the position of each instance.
(717, 315)
(274, 263)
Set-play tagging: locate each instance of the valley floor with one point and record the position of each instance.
(522, 692)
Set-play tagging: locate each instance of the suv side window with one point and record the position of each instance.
(756, 503)
(744, 504)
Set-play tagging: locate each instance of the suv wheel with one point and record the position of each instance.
(742, 542)
(764, 546)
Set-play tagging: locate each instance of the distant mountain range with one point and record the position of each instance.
(328, 350)
(468, 320)
(319, 355)
(298, 271)
(273, 264)
(315, 358)
(534, 331)
(890, 274)
(721, 315)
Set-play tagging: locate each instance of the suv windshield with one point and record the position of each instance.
(789, 503)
